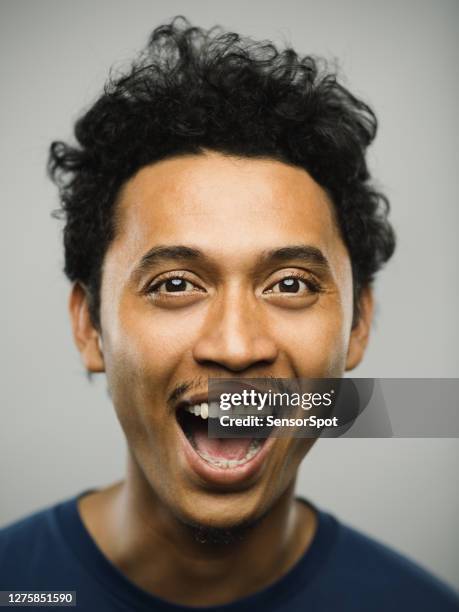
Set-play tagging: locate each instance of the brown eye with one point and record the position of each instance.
(301, 286)
(174, 284)
(290, 285)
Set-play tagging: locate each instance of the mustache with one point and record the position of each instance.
(201, 382)
(189, 385)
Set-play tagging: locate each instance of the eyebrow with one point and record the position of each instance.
(165, 253)
(157, 254)
(304, 252)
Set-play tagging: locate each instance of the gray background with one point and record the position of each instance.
(58, 433)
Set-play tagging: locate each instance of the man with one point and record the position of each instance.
(220, 222)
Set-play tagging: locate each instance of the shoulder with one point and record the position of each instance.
(33, 547)
(367, 567)
(22, 533)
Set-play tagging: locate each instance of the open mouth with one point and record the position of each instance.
(223, 453)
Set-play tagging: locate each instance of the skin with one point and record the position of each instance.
(231, 318)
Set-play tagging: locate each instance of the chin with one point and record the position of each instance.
(221, 529)
(235, 511)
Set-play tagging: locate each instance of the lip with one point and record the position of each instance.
(224, 477)
(241, 475)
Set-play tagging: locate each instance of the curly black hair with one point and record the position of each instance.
(192, 90)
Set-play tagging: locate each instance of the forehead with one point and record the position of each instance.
(227, 206)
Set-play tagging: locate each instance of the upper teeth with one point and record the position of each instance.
(201, 410)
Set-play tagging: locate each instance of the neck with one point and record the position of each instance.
(157, 551)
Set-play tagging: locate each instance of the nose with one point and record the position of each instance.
(235, 336)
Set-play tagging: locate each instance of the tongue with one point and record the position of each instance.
(221, 448)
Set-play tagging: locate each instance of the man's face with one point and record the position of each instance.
(232, 301)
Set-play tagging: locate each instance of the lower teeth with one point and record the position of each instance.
(254, 447)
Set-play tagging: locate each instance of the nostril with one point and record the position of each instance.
(236, 359)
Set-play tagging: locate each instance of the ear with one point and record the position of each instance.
(86, 336)
(361, 330)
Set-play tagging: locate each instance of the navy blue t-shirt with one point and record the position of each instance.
(341, 571)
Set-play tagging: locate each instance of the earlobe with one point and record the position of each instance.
(86, 336)
(360, 332)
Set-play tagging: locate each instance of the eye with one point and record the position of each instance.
(173, 284)
(289, 285)
(295, 285)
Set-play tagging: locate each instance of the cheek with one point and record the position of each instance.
(285, 461)
(146, 343)
(137, 370)
(144, 351)
(315, 341)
